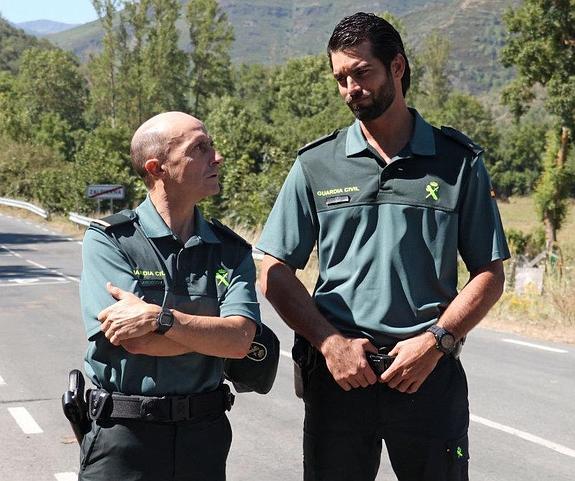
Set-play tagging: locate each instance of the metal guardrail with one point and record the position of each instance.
(79, 219)
(24, 205)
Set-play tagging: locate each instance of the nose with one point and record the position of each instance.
(353, 88)
(218, 158)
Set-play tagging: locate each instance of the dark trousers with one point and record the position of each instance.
(128, 450)
(425, 433)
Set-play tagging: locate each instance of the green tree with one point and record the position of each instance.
(414, 61)
(166, 66)
(552, 189)
(466, 113)
(541, 46)
(104, 159)
(103, 67)
(244, 150)
(435, 86)
(211, 36)
(49, 81)
(307, 104)
(13, 42)
(132, 73)
(518, 159)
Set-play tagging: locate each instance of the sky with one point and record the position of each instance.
(66, 11)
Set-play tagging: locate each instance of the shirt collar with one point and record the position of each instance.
(421, 143)
(155, 227)
(203, 229)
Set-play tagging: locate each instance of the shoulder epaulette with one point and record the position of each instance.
(123, 217)
(462, 139)
(224, 229)
(319, 141)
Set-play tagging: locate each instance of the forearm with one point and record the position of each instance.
(475, 300)
(293, 302)
(131, 318)
(345, 357)
(154, 345)
(229, 337)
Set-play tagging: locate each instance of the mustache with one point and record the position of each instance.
(350, 100)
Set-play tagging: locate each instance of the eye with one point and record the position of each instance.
(205, 146)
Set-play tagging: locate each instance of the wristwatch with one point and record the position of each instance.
(444, 340)
(165, 321)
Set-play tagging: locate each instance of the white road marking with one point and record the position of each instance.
(70, 278)
(2, 382)
(507, 429)
(66, 476)
(34, 281)
(526, 436)
(74, 279)
(25, 420)
(535, 346)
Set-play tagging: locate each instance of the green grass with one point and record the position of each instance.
(519, 213)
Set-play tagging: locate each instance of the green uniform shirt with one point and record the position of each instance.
(387, 236)
(215, 277)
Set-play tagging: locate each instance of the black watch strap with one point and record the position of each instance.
(165, 321)
(444, 340)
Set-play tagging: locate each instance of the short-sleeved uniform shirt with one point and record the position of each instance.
(214, 275)
(387, 235)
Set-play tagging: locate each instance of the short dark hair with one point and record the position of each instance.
(145, 146)
(385, 40)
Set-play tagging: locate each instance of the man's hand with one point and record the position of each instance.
(346, 361)
(415, 359)
(128, 318)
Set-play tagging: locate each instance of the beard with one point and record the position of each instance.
(380, 102)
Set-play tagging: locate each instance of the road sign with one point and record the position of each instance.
(105, 191)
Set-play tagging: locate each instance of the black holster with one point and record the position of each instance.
(74, 405)
(305, 359)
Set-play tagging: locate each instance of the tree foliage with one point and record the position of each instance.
(71, 133)
(211, 36)
(543, 52)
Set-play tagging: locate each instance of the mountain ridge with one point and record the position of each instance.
(44, 27)
(272, 31)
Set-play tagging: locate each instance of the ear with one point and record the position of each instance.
(154, 168)
(398, 66)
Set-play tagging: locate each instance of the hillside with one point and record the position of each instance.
(13, 42)
(44, 27)
(271, 31)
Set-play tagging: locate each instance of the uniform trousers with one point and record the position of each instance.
(134, 450)
(425, 433)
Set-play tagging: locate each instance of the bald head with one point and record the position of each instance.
(155, 137)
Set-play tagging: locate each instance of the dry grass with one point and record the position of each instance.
(519, 213)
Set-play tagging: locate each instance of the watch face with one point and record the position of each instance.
(165, 321)
(447, 341)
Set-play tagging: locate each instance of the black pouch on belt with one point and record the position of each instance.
(303, 355)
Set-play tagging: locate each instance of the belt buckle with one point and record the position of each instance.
(180, 408)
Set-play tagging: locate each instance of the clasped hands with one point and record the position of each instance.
(415, 358)
(129, 318)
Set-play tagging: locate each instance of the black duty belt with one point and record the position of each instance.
(105, 405)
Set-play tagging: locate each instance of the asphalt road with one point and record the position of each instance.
(521, 390)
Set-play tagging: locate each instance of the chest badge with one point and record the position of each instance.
(222, 277)
(432, 190)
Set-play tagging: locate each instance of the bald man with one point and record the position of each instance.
(166, 295)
